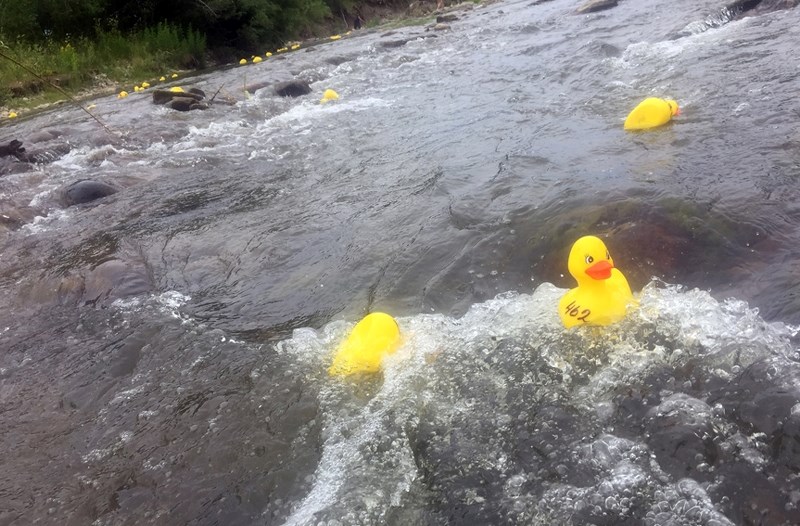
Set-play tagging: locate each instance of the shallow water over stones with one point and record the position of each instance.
(163, 350)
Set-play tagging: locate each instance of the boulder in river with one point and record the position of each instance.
(186, 100)
(86, 191)
(187, 104)
(13, 147)
(292, 88)
(592, 6)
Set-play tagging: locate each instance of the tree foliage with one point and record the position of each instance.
(246, 25)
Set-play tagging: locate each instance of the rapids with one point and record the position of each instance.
(163, 350)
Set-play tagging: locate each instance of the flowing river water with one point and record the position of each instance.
(163, 350)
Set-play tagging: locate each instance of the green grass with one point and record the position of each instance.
(76, 65)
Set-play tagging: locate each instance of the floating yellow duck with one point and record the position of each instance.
(137, 89)
(176, 89)
(122, 94)
(256, 60)
(651, 112)
(174, 75)
(162, 78)
(602, 295)
(329, 94)
(335, 37)
(145, 85)
(242, 62)
(268, 54)
(281, 49)
(12, 115)
(295, 46)
(371, 340)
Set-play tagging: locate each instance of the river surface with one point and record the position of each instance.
(163, 350)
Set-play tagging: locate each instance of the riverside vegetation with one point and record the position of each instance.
(102, 44)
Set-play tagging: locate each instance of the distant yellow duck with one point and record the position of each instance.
(651, 112)
(145, 85)
(122, 94)
(371, 340)
(256, 60)
(335, 37)
(602, 295)
(328, 95)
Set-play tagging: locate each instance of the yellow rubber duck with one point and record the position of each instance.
(295, 46)
(176, 89)
(162, 78)
(329, 94)
(122, 94)
(12, 115)
(335, 37)
(145, 85)
(242, 62)
(268, 54)
(602, 295)
(651, 112)
(256, 60)
(371, 340)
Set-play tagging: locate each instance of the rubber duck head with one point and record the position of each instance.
(589, 260)
(673, 107)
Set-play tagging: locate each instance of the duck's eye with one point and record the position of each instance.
(589, 260)
(608, 255)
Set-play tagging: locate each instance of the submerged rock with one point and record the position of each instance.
(187, 104)
(85, 191)
(12, 148)
(292, 88)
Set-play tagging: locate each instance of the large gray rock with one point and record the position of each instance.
(86, 191)
(163, 96)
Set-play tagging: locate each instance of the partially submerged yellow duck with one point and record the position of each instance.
(329, 95)
(371, 340)
(602, 295)
(651, 112)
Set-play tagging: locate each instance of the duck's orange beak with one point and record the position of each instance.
(600, 270)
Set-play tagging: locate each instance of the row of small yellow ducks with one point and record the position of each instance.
(650, 113)
(292, 47)
(144, 85)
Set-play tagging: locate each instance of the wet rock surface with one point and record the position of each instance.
(86, 191)
(292, 88)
